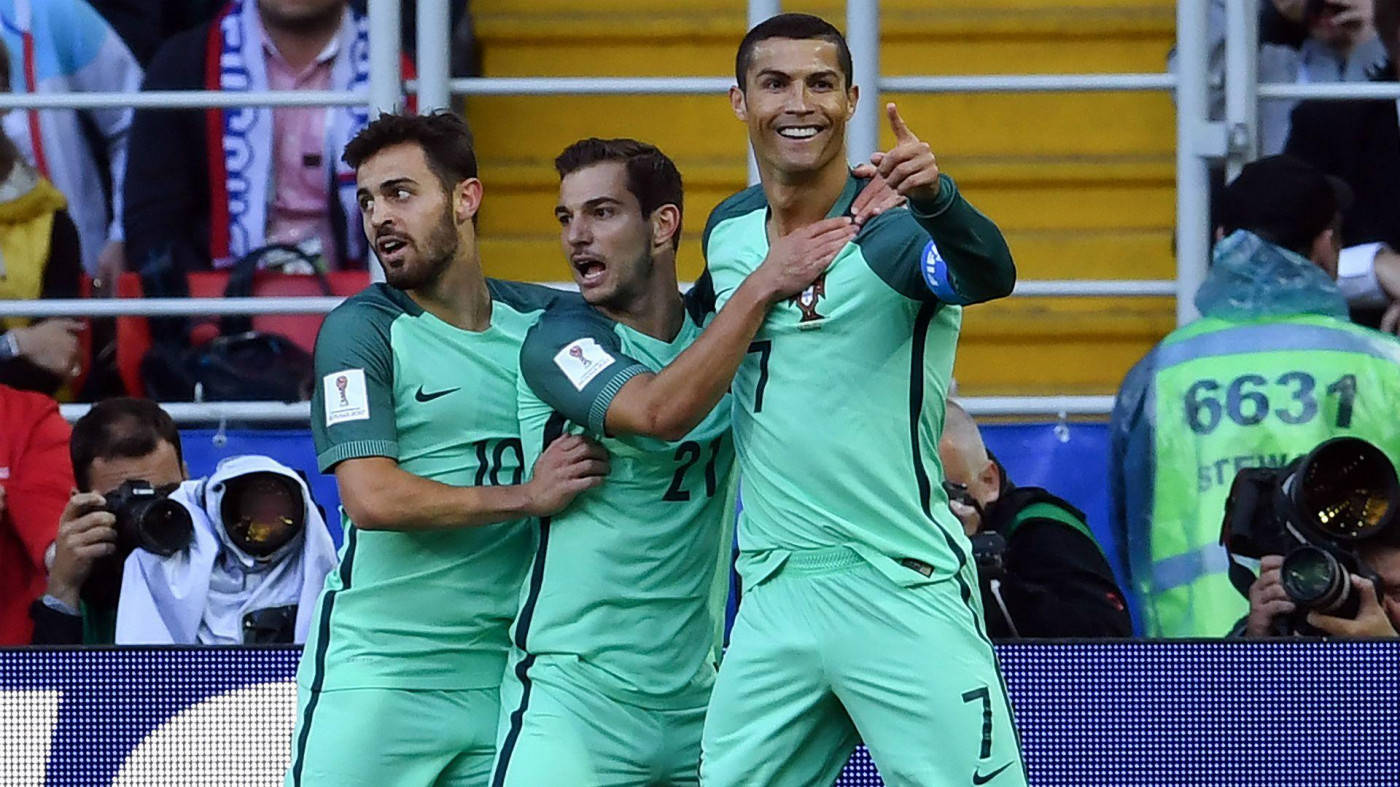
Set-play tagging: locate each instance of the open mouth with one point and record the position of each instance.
(589, 271)
(799, 132)
(388, 247)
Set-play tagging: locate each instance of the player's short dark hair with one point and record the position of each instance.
(444, 137)
(120, 428)
(652, 176)
(792, 26)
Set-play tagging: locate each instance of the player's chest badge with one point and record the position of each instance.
(807, 301)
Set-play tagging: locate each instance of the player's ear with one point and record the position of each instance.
(852, 98)
(466, 199)
(736, 101)
(665, 224)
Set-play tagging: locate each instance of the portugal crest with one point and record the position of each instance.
(807, 301)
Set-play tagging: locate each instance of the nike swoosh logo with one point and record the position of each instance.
(978, 778)
(428, 397)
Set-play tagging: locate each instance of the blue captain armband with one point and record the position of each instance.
(936, 275)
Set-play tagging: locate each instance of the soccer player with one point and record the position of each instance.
(415, 411)
(615, 642)
(860, 616)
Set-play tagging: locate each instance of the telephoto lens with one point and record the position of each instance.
(1315, 580)
(1346, 489)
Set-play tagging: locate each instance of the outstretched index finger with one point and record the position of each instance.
(897, 124)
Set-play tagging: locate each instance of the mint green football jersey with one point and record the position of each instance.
(628, 578)
(421, 610)
(839, 404)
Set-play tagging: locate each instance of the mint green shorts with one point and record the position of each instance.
(407, 738)
(557, 730)
(828, 652)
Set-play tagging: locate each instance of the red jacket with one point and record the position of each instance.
(37, 476)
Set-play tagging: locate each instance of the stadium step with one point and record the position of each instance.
(1082, 183)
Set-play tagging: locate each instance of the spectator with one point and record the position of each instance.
(118, 440)
(1359, 142)
(145, 24)
(64, 46)
(1055, 580)
(1271, 369)
(39, 258)
(252, 573)
(208, 187)
(1300, 41)
(1378, 616)
(35, 479)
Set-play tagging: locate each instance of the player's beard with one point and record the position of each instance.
(436, 253)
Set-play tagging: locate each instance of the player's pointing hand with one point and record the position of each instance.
(909, 167)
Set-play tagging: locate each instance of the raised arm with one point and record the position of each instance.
(968, 260)
(675, 400)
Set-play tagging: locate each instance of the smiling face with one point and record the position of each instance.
(796, 104)
(605, 236)
(415, 225)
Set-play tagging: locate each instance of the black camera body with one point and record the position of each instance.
(989, 552)
(148, 519)
(1315, 511)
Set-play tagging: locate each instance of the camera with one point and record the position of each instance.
(148, 519)
(1315, 511)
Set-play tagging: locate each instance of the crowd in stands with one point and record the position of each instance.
(1284, 355)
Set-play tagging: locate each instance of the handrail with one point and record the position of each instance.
(1028, 83)
(167, 307)
(174, 307)
(553, 86)
(185, 99)
(299, 413)
(1330, 91)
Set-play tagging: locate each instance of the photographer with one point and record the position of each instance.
(1042, 572)
(257, 555)
(1378, 616)
(118, 440)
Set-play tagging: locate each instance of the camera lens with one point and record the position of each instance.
(1346, 489)
(1314, 579)
(164, 527)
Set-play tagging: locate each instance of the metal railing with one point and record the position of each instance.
(300, 412)
(433, 87)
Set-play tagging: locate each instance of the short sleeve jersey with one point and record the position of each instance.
(625, 577)
(839, 404)
(421, 610)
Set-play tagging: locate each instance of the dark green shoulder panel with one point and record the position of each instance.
(525, 297)
(745, 202)
(363, 319)
(892, 245)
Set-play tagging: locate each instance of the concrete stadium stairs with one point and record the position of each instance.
(1081, 183)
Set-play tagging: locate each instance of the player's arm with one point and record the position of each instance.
(353, 425)
(673, 401)
(379, 495)
(970, 261)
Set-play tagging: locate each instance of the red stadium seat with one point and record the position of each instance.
(134, 334)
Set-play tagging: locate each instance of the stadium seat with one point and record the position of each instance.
(134, 333)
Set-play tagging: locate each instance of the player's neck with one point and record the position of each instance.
(796, 200)
(658, 310)
(459, 296)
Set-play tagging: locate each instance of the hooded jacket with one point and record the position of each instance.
(200, 595)
(1271, 369)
